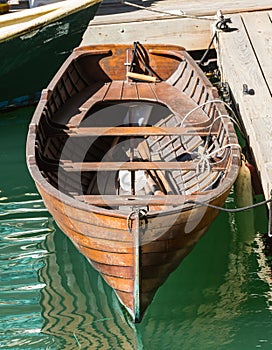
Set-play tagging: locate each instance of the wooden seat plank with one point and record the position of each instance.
(138, 131)
(97, 96)
(113, 200)
(111, 166)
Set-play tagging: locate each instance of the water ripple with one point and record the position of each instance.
(22, 255)
(32, 206)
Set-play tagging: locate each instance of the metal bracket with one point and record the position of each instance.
(223, 23)
(247, 91)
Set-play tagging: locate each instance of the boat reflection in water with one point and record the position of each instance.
(213, 285)
(79, 309)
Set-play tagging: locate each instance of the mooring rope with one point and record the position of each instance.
(222, 25)
(181, 15)
(237, 210)
(229, 210)
(143, 213)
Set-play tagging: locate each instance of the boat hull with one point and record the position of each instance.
(182, 161)
(29, 61)
(108, 243)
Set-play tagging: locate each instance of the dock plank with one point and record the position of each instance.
(166, 31)
(259, 29)
(156, 10)
(244, 58)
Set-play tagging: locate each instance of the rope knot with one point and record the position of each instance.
(223, 24)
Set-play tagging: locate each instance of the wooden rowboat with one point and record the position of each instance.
(34, 42)
(127, 146)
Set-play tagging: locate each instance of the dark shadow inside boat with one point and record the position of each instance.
(60, 148)
(122, 149)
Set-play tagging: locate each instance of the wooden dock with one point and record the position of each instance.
(244, 55)
(181, 22)
(244, 58)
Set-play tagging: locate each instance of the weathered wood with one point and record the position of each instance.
(244, 58)
(146, 92)
(185, 23)
(130, 92)
(114, 92)
(259, 29)
(121, 13)
(175, 31)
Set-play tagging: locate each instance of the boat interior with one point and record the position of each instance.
(125, 127)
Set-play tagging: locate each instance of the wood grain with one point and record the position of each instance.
(245, 57)
(119, 23)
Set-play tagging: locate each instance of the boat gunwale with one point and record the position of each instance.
(43, 15)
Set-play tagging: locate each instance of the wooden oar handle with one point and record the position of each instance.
(142, 77)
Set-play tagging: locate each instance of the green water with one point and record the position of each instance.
(51, 298)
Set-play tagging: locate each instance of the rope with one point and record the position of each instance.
(200, 63)
(182, 15)
(205, 103)
(234, 118)
(234, 210)
(139, 52)
(225, 116)
(209, 155)
(143, 213)
(221, 24)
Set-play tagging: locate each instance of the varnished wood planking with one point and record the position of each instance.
(89, 226)
(245, 57)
